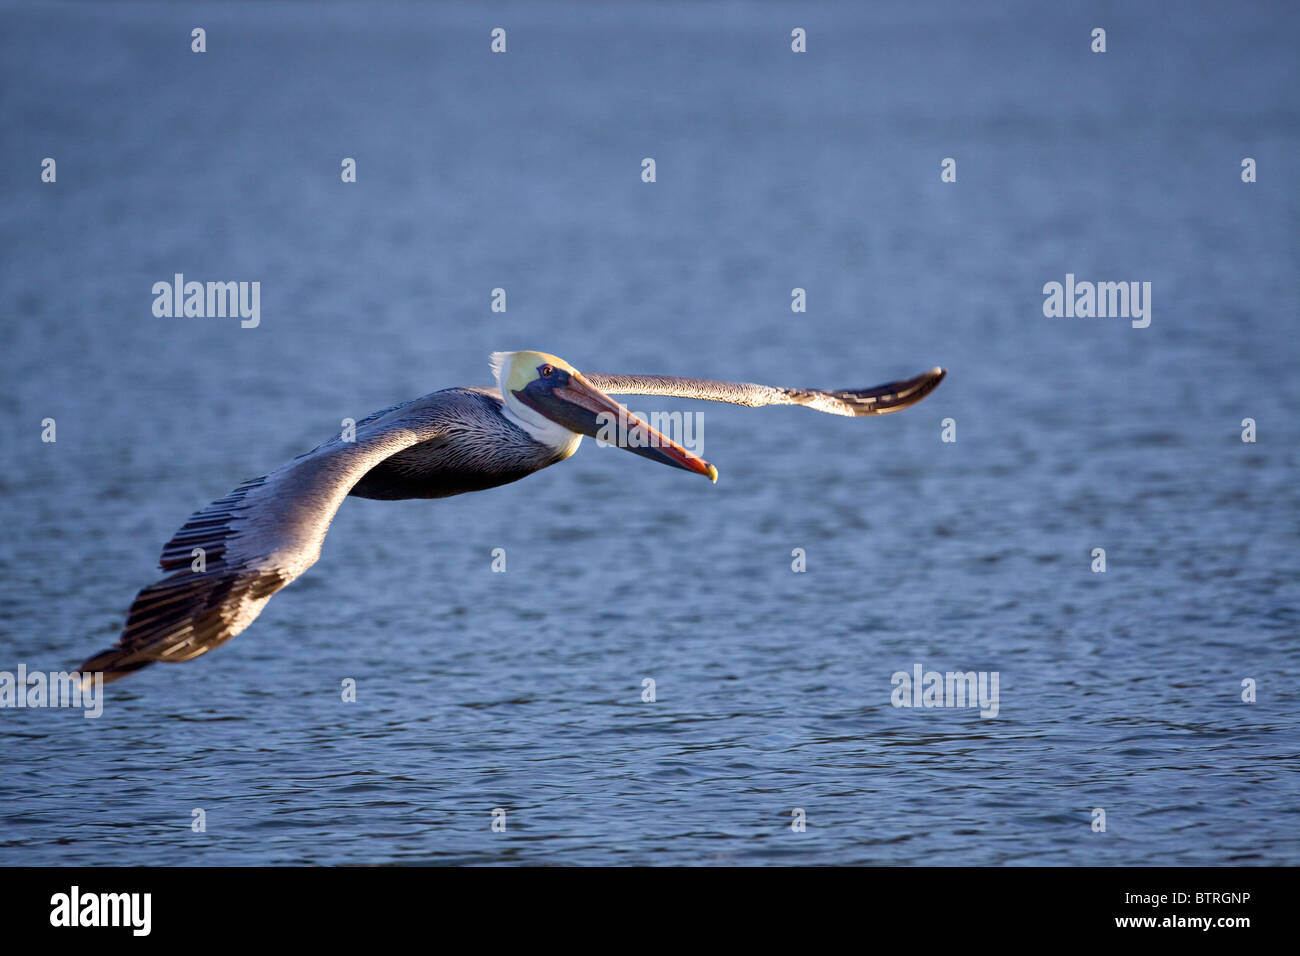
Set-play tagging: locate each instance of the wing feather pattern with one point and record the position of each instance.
(254, 541)
(879, 400)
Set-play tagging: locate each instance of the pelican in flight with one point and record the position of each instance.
(230, 557)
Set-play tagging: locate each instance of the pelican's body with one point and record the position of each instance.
(229, 558)
(477, 447)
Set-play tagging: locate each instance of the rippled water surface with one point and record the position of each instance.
(522, 690)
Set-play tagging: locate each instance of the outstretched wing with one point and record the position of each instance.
(252, 543)
(880, 400)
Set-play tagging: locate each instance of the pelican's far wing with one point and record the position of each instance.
(253, 542)
(880, 400)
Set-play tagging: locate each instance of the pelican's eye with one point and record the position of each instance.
(546, 371)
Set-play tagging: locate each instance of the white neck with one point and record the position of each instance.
(538, 426)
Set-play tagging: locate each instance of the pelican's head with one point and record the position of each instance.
(550, 400)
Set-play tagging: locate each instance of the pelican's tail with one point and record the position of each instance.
(114, 663)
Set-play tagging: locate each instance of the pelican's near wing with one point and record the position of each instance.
(253, 542)
(879, 400)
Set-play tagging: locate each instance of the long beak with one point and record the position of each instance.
(581, 407)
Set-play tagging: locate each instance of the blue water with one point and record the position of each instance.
(478, 690)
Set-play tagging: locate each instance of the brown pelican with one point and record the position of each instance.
(230, 557)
